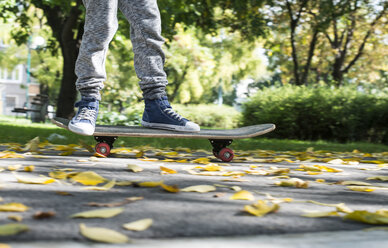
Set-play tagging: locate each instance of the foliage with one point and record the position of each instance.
(340, 114)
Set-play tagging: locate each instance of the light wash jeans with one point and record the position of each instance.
(100, 26)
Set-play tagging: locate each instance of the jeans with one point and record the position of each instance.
(100, 26)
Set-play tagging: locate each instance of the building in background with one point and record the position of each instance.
(14, 91)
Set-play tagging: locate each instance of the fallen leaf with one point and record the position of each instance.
(199, 188)
(17, 218)
(63, 193)
(124, 183)
(218, 195)
(134, 168)
(368, 217)
(34, 180)
(105, 187)
(8, 154)
(13, 207)
(327, 169)
(86, 146)
(4, 246)
(88, 178)
(100, 213)
(12, 229)
(170, 188)
(139, 225)
(14, 167)
(381, 178)
(116, 204)
(166, 170)
(320, 214)
(243, 195)
(360, 188)
(29, 168)
(58, 174)
(33, 145)
(355, 183)
(148, 159)
(335, 161)
(201, 160)
(260, 208)
(43, 215)
(341, 207)
(293, 182)
(149, 184)
(235, 188)
(104, 235)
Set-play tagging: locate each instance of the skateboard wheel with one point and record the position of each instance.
(103, 148)
(215, 153)
(226, 154)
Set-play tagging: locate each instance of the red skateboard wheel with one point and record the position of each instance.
(226, 154)
(103, 148)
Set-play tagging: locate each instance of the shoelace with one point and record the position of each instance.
(173, 114)
(87, 114)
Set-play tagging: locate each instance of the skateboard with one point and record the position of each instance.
(105, 136)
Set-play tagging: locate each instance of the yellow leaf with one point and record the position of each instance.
(320, 214)
(167, 170)
(14, 167)
(170, 188)
(103, 235)
(88, 178)
(367, 217)
(201, 161)
(86, 146)
(58, 174)
(320, 180)
(98, 155)
(34, 180)
(261, 208)
(293, 182)
(335, 161)
(134, 168)
(309, 168)
(33, 145)
(243, 195)
(181, 161)
(124, 183)
(12, 229)
(8, 154)
(328, 169)
(66, 153)
(150, 184)
(356, 183)
(235, 188)
(341, 207)
(139, 154)
(171, 154)
(29, 168)
(99, 213)
(212, 167)
(139, 225)
(149, 159)
(314, 173)
(13, 207)
(105, 187)
(381, 178)
(199, 188)
(17, 218)
(360, 188)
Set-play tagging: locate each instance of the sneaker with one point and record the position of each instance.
(159, 114)
(84, 122)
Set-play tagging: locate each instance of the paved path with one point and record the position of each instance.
(187, 214)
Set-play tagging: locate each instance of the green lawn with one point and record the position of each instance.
(21, 130)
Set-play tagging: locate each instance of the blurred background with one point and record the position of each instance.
(317, 69)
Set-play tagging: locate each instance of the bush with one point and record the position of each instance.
(309, 113)
(206, 115)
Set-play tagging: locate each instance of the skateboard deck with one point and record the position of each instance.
(219, 138)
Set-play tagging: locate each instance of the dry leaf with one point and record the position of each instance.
(17, 218)
(243, 195)
(341, 207)
(381, 178)
(377, 218)
(320, 214)
(293, 182)
(360, 188)
(139, 225)
(105, 187)
(355, 183)
(170, 188)
(12, 229)
(63, 193)
(166, 170)
(88, 178)
(261, 208)
(134, 168)
(199, 188)
(58, 174)
(8, 154)
(86, 146)
(14, 167)
(100, 213)
(29, 168)
(13, 207)
(235, 188)
(104, 235)
(149, 184)
(33, 145)
(116, 204)
(201, 160)
(43, 215)
(34, 180)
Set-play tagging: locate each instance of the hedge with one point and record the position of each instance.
(342, 114)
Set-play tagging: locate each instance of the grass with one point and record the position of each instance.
(21, 130)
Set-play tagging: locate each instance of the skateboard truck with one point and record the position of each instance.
(104, 145)
(220, 149)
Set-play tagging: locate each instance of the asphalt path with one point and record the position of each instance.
(184, 214)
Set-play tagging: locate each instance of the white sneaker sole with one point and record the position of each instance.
(190, 126)
(81, 128)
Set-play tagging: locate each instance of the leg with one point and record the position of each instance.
(144, 17)
(100, 27)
